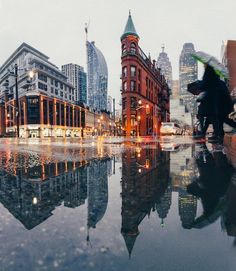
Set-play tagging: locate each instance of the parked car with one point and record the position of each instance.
(170, 128)
(169, 146)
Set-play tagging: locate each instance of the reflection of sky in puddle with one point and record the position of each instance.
(89, 208)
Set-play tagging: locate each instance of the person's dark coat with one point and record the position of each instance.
(217, 101)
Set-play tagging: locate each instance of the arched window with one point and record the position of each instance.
(124, 49)
(125, 86)
(133, 47)
(124, 74)
(132, 85)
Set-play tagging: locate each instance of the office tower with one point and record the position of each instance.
(78, 78)
(164, 64)
(97, 78)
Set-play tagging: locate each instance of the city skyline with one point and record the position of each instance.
(62, 27)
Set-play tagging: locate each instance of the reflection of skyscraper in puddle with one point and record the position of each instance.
(32, 194)
(182, 172)
(163, 206)
(187, 208)
(97, 191)
(145, 177)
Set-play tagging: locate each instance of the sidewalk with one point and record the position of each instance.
(230, 147)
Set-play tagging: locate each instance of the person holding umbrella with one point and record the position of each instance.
(216, 103)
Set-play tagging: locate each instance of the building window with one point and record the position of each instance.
(132, 85)
(56, 83)
(61, 93)
(52, 82)
(123, 103)
(42, 77)
(62, 115)
(56, 91)
(33, 115)
(51, 112)
(124, 49)
(133, 102)
(133, 47)
(124, 73)
(132, 70)
(68, 115)
(52, 90)
(125, 120)
(57, 114)
(125, 86)
(71, 117)
(45, 112)
(42, 86)
(133, 121)
(61, 85)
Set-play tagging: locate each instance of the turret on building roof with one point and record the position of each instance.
(129, 28)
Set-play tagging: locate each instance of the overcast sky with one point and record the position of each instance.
(56, 28)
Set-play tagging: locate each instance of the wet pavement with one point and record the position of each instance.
(114, 204)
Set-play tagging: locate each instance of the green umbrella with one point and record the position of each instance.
(218, 67)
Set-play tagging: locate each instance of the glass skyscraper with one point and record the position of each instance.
(188, 73)
(97, 78)
(188, 69)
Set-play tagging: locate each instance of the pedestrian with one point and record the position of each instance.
(215, 105)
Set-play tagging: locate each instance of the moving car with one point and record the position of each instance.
(170, 128)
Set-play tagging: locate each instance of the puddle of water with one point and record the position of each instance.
(108, 206)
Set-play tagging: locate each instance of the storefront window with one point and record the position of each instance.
(33, 110)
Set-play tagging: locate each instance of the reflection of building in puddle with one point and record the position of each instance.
(163, 206)
(34, 193)
(141, 190)
(187, 209)
(97, 191)
(183, 171)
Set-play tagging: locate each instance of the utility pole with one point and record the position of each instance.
(17, 102)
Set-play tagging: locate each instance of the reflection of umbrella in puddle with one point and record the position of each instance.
(205, 220)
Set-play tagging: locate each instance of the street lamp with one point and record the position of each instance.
(110, 128)
(31, 74)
